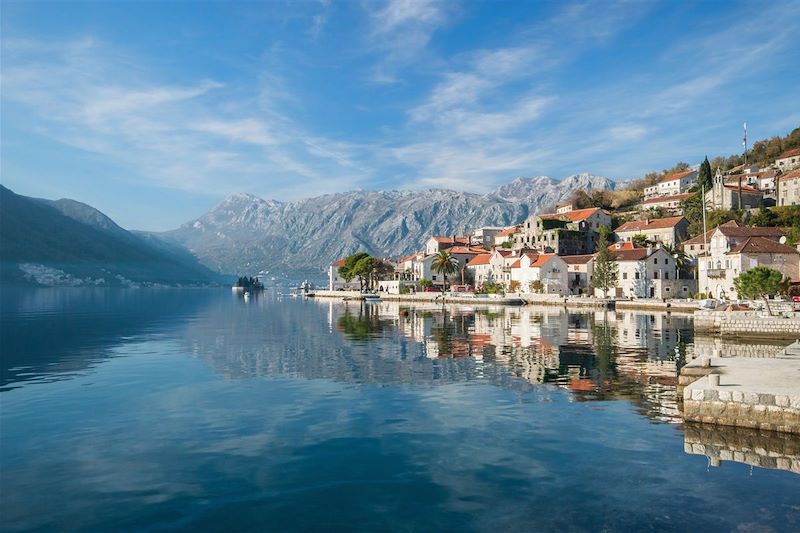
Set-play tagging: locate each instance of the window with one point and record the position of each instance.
(666, 276)
(636, 275)
(434, 277)
(655, 274)
(655, 260)
(624, 275)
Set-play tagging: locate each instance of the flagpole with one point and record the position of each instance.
(705, 233)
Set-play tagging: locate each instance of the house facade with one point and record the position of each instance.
(670, 230)
(580, 269)
(788, 160)
(789, 188)
(649, 273)
(549, 269)
(672, 184)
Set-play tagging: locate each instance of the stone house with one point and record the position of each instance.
(788, 160)
(670, 230)
(649, 273)
(789, 188)
(505, 235)
(569, 233)
(491, 267)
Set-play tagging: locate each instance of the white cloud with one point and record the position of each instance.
(199, 136)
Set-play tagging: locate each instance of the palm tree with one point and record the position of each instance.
(444, 263)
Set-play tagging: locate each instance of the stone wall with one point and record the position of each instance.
(765, 411)
(747, 324)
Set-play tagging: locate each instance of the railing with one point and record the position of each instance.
(716, 273)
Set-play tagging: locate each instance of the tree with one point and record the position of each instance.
(513, 285)
(444, 263)
(606, 269)
(640, 240)
(536, 286)
(364, 269)
(704, 177)
(761, 282)
(764, 217)
(346, 271)
(425, 283)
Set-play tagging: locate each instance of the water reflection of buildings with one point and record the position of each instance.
(742, 445)
(596, 355)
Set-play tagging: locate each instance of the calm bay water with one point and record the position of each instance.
(193, 409)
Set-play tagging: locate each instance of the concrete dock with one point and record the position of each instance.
(759, 393)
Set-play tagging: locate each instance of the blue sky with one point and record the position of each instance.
(155, 111)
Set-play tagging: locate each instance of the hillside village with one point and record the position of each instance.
(680, 234)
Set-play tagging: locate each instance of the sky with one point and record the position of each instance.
(154, 112)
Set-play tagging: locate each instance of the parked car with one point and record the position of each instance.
(433, 288)
(796, 298)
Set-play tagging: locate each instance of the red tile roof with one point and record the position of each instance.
(577, 259)
(449, 240)
(482, 259)
(636, 254)
(789, 153)
(508, 231)
(339, 263)
(642, 225)
(542, 259)
(464, 250)
(407, 258)
(576, 215)
(699, 238)
(744, 189)
(762, 245)
(630, 245)
(676, 176)
(790, 175)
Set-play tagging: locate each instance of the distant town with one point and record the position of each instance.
(688, 232)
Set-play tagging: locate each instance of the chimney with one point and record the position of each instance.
(649, 249)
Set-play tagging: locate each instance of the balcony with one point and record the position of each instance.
(716, 273)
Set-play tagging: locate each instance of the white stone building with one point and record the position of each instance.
(549, 269)
(789, 188)
(733, 250)
(673, 184)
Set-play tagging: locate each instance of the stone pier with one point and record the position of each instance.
(744, 392)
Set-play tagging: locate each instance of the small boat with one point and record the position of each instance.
(372, 297)
(246, 296)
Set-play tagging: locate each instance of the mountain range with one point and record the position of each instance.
(65, 242)
(246, 234)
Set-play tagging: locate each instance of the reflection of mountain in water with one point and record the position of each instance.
(53, 333)
(743, 445)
